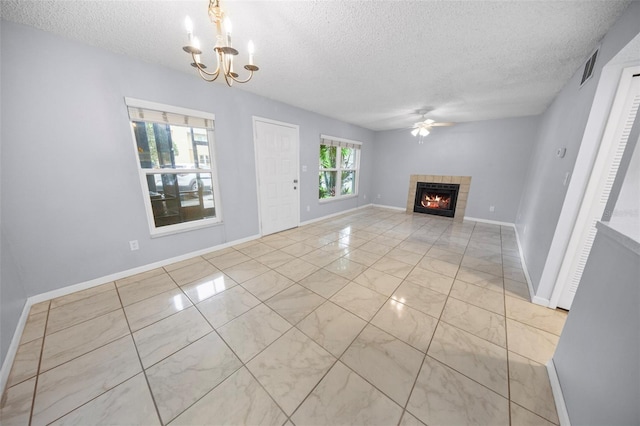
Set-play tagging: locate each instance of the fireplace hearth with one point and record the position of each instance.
(436, 198)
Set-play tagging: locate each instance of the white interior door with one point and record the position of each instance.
(277, 147)
(597, 193)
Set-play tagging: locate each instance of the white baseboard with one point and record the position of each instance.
(492, 222)
(329, 216)
(382, 206)
(13, 347)
(15, 341)
(561, 407)
(534, 299)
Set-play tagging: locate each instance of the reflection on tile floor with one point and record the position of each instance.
(372, 317)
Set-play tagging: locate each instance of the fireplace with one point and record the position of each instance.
(436, 198)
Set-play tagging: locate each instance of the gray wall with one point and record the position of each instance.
(71, 200)
(493, 152)
(562, 125)
(598, 356)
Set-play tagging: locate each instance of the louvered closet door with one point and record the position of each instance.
(596, 197)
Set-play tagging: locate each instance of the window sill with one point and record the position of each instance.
(334, 199)
(180, 228)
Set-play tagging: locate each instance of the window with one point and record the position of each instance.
(176, 158)
(339, 162)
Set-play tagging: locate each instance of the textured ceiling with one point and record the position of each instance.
(371, 63)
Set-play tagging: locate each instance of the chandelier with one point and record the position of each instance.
(223, 49)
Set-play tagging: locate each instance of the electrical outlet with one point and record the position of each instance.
(304, 168)
(308, 208)
(133, 245)
(492, 208)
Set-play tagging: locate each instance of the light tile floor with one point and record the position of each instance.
(373, 317)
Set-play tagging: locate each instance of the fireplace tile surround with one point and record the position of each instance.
(463, 194)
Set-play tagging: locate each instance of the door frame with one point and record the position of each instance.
(295, 127)
(600, 116)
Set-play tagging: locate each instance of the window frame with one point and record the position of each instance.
(341, 143)
(158, 231)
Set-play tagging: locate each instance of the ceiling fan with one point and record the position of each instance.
(424, 127)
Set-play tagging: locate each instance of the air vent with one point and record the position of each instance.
(588, 68)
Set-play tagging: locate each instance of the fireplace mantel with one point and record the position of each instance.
(464, 181)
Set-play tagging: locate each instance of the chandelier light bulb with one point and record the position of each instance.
(223, 51)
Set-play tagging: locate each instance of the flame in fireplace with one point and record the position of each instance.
(435, 201)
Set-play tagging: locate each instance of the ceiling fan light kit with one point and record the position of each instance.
(223, 48)
(424, 127)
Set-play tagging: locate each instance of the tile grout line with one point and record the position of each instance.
(35, 386)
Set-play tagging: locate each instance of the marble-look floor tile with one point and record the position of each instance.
(489, 254)
(298, 249)
(267, 285)
(530, 342)
(378, 281)
(16, 403)
(478, 296)
(70, 385)
(277, 241)
(161, 339)
(375, 248)
(34, 327)
(431, 280)
(290, 368)
(421, 298)
(193, 272)
(219, 252)
(182, 263)
(472, 356)
(384, 361)
(546, 319)
(480, 279)
(346, 268)
(409, 419)
(297, 269)
(85, 309)
(186, 376)
(516, 289)
(407, 324)
(405, 256)
(320, 258)
(40, 307)
(224, 307)
(137, 277)
(127, 403)
(257, 250)
(482, 265)
(363, 257)
(477, 321)
(295, 303)
(228, 260)
(514, 273)
(439, 266)
(444, 255)
(523, 417)
(275, 258)
(332, 327)
(25, 362)
(530, 387)
(344, 398)
(253, 331)
(414, 247)
(443, 396)
(208, 286)
(324, 283)
(143, 289)
(393, 267)
(246, 270)
(72, 342)
(238, 400)
(148, 311)
(83, 294)
(359, 300)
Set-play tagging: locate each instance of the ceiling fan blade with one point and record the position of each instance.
(442, 124)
